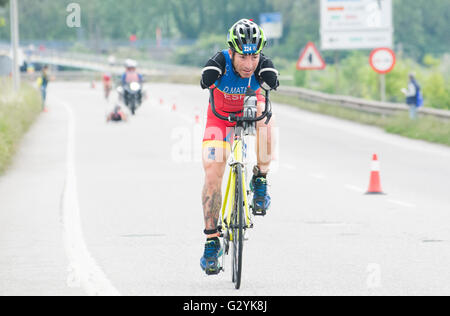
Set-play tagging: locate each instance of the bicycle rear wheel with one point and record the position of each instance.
(237, 226)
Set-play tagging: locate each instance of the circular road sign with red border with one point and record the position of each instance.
(382, 60)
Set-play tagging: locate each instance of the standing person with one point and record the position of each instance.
(43, 82)
(412, 93)
(229, 72)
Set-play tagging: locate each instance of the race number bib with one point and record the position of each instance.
(249, 48)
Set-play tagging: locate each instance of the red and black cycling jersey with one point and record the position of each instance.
(229, 94)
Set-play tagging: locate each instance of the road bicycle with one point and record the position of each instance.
(235, 217)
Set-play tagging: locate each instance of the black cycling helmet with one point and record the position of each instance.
(246, 37)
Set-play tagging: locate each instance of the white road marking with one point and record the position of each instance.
(83, 270)
(354, 188)
(401, 203)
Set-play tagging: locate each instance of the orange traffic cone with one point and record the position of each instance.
(375, 183)
(197, 115)
(174, 107)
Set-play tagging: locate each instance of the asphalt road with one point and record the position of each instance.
(89, 208)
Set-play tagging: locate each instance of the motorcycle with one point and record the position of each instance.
(131, 95)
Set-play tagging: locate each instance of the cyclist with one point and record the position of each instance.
(117, 115)
(107, 84)
(231, 71)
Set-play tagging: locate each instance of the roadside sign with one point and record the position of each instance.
(272, 24)
(382, 60)
(356, 24)
(310, 59)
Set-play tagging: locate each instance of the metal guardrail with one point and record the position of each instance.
(100, 64)
(93, 76)
(384, 108)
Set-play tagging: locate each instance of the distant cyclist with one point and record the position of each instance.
(117, 115)
(230, 72)
(107, 84)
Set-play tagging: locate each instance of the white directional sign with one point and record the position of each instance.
(356, 24)
(272, 24)
(310, 59)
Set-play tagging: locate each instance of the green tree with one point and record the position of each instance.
(195, 18)
(436, 91)
(300, 25)
(420, 26)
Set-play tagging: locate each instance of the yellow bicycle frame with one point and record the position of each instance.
(229, 200)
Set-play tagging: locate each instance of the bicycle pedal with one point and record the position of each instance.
(259, 212)
(212, 272)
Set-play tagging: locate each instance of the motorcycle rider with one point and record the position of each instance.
(131, 75)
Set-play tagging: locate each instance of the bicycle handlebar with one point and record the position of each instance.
(233, 118)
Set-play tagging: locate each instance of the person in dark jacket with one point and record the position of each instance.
(411, 93)
(43, 85)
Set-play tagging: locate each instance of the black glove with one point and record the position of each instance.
(214, 69)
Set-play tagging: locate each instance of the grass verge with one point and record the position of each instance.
(425, 128)
(17, 113)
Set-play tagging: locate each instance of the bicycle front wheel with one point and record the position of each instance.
(238, 229)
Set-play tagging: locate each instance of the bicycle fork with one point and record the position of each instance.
(229, 200)
(230, 196)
